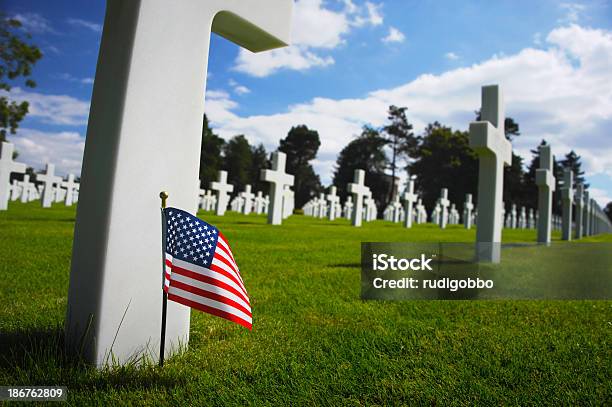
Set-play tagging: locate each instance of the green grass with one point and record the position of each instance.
(314, 341)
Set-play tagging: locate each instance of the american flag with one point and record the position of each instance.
(200, 269)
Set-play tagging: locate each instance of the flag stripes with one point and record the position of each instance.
(201, 271)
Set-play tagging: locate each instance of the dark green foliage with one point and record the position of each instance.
(259, 160)
(572, 160)
(365, 152)
(301, 146)
(238, 162)
(608, 210)
(17, 58)
(445, 160)
(211, 160)
(400, 139)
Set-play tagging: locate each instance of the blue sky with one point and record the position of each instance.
(348, 61)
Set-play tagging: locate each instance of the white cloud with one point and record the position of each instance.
(573, 12)
(308, 40)
(53, 109)
(34, 23)
(77, 22)
(37, 148)
(394, 35)
(601, 196)
(451, 56)
(70, 78)
(560, 93)
(238, 88)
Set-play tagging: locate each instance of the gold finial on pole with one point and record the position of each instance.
(164, 196)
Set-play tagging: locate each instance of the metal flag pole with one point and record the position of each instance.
(164, 196)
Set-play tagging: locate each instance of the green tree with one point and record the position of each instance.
(608, 210)
(401, 140)
(365, 152)
(17, 58)
(211, 160)
(572, 160)
(301, 146)
(238, 161)
(444, 159)
(259, 161)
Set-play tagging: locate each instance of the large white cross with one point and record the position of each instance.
(150, 82)
(7, 166)
(70, 186)
(359, 190)
(49, 180)
(545, 181)
(568, 199)
(333, 201)
(223, 190)
(278, 178)
(247, 197)
(488, 140)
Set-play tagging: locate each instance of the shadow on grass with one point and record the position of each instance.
(37, 356)
(346, 265)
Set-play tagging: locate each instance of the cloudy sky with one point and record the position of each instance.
(349, 60)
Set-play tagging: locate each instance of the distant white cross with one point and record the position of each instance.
(278, 178)
(468, 206)
(247, 197)
(49, 180)
(333, 201)
(223, 189)
(545, 181)
(409, 199)
(70, 186)
(359, 190)
(444, 203)
(7, 166)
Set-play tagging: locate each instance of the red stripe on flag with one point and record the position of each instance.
(209, 280)
(210, 295)
(211, 310)
(219, 270)
(229, 249)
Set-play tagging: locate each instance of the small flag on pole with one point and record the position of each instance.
(200, 269)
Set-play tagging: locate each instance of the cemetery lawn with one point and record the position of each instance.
(313, 341)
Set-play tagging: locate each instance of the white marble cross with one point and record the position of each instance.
(223, 190)
(421, 212)
(7, 166)
(150, 82)
(468, 206)
(567, 197)
(278, 178)
(359, 191)
(444, 203)
(26, 189)
(579, 210)
(49, 180)
(513, 217)
(322, 206)
(348, 207)
(259, 201)
(70, 186)
(409, 198)
(15, 190)
(488, 140)
(247, 197)
(288, 201)
(333, 202)
(545, 181)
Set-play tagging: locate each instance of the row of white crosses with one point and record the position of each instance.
(54, 189)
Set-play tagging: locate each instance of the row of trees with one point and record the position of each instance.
(439, 158)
